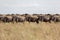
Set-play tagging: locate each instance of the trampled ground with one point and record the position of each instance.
(30, 31)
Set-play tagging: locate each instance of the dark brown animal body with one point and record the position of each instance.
(17, 19)
(45, 18)
(6, 19)
(55, 19)
(32, 19)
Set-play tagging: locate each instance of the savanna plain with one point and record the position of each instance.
(30, 31)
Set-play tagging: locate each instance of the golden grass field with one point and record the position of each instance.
(30, 31)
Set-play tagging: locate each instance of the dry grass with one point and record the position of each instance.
(30, 31)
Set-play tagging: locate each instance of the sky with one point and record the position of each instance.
(29, 6)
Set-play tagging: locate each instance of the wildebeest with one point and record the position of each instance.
(40, 18)
(17, 19)
(45, 18)
(32, 19)
(55, 19)
(1, 18)
(7, 19)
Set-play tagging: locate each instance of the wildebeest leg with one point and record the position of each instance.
(16, 21)
(49, 21)
(37, 22)
(29, 20)
(4, 20)
(13, 22)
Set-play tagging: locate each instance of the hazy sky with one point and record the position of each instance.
(29, 6)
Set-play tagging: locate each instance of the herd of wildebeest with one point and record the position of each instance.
(29, 18)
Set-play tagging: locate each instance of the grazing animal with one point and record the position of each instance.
(44, 18)
(32, 19)
(40, 18)
(14, 19)
(5, 19)
(55, 19)
(47, 18)
(1, 18)
(17, 19)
